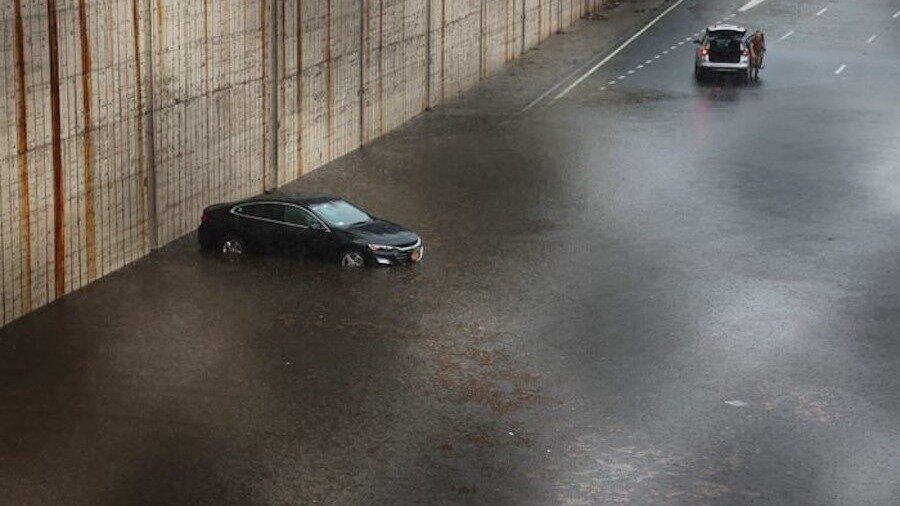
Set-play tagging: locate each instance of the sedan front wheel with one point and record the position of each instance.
(352, 260)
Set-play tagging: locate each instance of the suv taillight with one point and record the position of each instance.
(704, 52)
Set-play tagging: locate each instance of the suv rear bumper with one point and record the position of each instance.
(725, 67)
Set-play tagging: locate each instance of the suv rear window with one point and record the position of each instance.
(726, 34)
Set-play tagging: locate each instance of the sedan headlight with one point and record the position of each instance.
(381, 247)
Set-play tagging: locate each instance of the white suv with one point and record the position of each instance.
(722, 49)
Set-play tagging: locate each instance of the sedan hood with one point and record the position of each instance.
(382, 232)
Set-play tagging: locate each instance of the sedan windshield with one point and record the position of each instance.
(339, 213)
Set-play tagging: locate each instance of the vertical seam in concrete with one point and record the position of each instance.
(329, 85)
(88, 147)
(139, 124)
(443, 35)
(427, 55)
(282, 83)
(153, 220)
(523, 27)
(273, 94)
(299, 86)
(22, 130)
(59, 240)
(481, 40)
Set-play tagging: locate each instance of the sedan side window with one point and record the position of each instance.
(298, 216)
(266, 211)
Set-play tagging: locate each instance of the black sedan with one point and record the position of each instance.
(322, 226)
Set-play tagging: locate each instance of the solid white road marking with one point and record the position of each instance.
(736, 403)
(751, 4)
(785, 36)
(872, 39)
(840, 69)
(823, 11)
(617, 51)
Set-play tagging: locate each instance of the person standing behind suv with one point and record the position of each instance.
(757, 46)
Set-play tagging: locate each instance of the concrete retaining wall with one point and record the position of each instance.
(122, 119)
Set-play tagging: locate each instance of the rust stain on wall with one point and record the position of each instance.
(263, 18)
(443, 38)
(381, 67)
(540, 16)
(506, 26)
(88, 147)
(22, 152)
(59, 239)
(161, 70)
(299, 87)
(329, 83)
(139, 122)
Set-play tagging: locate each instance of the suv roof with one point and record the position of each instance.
(726, 28)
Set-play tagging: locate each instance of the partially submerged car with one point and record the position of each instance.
(722, 49)
(317, 225)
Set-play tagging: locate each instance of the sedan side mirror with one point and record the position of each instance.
(318, 227)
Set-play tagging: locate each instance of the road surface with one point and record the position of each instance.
(637, 289)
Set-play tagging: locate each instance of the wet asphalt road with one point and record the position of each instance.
(655, 293)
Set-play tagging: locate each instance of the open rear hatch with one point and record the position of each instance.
(725, 46)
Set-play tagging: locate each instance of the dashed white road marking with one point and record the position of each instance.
(603, 88)
(648, 62)
(871, 39)
(657, 57)
(749, 5)
(640, 66)
(823, 11)
(896, 15)
(611, 83)
(617, 51)
(697, 34)
(621, 77)
(730, 16)
(681, 43)
(630, 72)
(688, 39)
(840, 69)
(785, 36)
(665, 52)
(672, 47)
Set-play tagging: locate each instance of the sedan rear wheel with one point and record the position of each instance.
(352, 260)
(233, 246)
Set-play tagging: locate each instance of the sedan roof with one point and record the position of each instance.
(301, 199)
